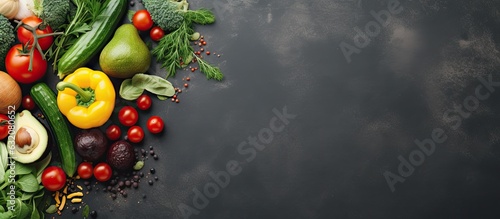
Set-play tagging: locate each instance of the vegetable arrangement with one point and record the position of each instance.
(74, 116)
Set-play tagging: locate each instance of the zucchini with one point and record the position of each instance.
(45, 99)
(90, 43)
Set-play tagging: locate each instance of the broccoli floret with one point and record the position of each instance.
(7, 38)
(167, 14)
(52, 12)
(170, 14)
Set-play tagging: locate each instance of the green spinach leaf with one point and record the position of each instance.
(28, 183)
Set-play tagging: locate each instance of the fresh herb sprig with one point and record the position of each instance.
(209, 70)
(80, 22)
(174, 50)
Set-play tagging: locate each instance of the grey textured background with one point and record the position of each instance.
(353, 119)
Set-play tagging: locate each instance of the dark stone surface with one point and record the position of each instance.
(353, 120)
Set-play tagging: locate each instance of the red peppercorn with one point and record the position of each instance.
(177, 100)
(193, 69)
(204, 43)
(208, 53)
(186, 85)
(188, 79)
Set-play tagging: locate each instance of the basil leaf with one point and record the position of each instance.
(28, 183)
(34, 212)
(26, 195)
(7, 214)
(22, 169)
(40, 166)
(153, 84)
(128, 91)
(162, 97)
(21, 210)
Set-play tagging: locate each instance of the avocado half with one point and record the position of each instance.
(30, 138)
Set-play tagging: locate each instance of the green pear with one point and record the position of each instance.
(126, 54)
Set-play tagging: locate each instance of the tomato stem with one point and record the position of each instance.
(35, 41)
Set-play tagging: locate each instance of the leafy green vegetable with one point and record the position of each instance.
(128, 91)
(86, 13)
(7, 38)
(52, 12)
(23, 169)
(28, 183)
(132, 88)
(3, 161)
(174, 50)
(21, 194)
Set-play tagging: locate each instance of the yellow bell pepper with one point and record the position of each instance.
(86, 97)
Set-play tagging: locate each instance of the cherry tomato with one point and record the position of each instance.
(128, 116)
(135, 134)
(142, 20)
(144, 102)
(28, 102)
(53, 178)
(85, 170)
(17, 65)
(113, 132)
(155, 124)
(26, 36)
(4, 126)
(156, 33)
(102, 172)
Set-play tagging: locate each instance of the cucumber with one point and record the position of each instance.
(90, 43)
(45, 99)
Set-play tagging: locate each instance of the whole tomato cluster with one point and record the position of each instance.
(25, 62)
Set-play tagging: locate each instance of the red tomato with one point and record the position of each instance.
(4, 126)
(17, 65)
(28, 102)
(142, 20)
(53, 178)
(128, 116)
(85, 170)
(135, 134)
(155, 124)
(156, 33)
(102, 172)
(113, 132)
(144, 102)
(26, 36)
